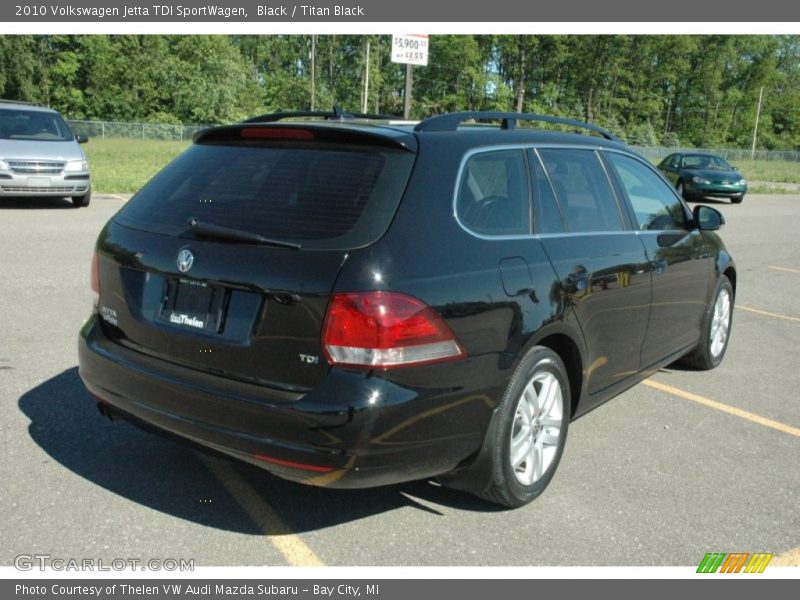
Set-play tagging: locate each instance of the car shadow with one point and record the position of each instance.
(34, 203)
(173, 477)
(678, 366)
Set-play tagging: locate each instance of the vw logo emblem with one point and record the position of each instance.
(185, 260)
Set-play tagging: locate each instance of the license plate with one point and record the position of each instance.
(193, 304)
(42, 182)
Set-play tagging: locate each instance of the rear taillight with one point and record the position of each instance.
(94, 281)
(385, 330)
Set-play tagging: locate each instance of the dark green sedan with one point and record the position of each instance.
(697, 175)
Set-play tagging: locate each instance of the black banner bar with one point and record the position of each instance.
(392, 589)
(355, 11)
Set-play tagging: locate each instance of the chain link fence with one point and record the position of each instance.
(656, 153)
(141, 131)
(165, 131)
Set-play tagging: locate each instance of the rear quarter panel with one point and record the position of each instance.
(428, 255)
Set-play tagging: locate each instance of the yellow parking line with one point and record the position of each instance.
(767, 314)
(787, 269)
(731, 410)
(293, 549)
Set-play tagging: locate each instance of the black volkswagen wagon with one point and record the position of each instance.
(352, 302)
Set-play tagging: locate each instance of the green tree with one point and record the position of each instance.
(696, 90)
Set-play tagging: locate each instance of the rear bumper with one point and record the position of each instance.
(354, 430)
(15, 185)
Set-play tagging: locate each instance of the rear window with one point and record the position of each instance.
(318, 195)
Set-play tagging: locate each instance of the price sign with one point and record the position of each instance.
(410, 49)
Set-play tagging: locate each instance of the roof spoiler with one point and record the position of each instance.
(303, 132)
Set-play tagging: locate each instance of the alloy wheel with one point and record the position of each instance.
(720, 323)
(536, 430)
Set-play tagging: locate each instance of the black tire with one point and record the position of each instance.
(737, 199)
(703, 356)
(81, 201)
(506, 488)
(683, 193)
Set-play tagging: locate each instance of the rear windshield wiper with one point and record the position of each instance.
(236, 235)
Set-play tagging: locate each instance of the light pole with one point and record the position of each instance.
(755, 128)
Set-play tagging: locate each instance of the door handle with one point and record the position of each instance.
(659, 265)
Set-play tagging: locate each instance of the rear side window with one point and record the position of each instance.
(546, 212)
(670, 162)
(316, 195)
(493, 197)
(583, 190)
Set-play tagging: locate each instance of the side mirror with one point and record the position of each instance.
(735, 168)
(707, 218)
(81, 139)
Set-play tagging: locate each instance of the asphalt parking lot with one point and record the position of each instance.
(686, 463)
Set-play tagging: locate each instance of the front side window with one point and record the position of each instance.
(656, 206)
(493, 197)
(583, 190)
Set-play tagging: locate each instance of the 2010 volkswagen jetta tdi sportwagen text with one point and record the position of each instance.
(354, 302)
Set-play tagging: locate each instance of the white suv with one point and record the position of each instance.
(39, 155)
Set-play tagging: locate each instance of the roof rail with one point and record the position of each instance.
(451, 121)
(337, 114)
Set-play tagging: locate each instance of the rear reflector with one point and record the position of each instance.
(385, 330)
(94, 281)
(272, 133)
(294, 465)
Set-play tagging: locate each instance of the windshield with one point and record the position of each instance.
(705, 161)
(21, 124)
